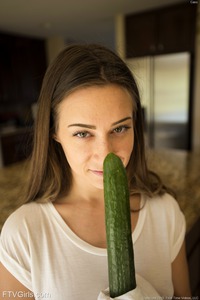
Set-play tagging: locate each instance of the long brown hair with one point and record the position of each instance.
(75, 67)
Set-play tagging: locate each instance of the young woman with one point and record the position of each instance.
(54, 246)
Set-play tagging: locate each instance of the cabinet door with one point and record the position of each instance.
(30, 64)
(176, 29)
(162, 31)
(22, 67)
(141, 34)
(16, 147)
(7, 84)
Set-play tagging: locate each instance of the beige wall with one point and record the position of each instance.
(53, 46)
(120, 35)
(196, 105)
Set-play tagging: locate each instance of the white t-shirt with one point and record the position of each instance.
(47, 257)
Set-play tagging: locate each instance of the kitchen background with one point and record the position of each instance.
(160, 43)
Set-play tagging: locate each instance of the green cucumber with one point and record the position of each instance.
(121, 268)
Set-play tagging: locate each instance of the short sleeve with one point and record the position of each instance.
(14, 250)
(177, 228)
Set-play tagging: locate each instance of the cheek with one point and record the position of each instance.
(75, 154)
(129, 147)
(129, 141)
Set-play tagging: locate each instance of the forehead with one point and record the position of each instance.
(96, 101)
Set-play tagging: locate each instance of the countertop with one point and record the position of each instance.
(180, 170)
(12, 130)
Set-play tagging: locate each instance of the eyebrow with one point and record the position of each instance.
(94, 127)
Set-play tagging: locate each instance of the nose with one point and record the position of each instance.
(102, 147)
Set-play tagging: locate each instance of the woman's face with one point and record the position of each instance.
(93, 122)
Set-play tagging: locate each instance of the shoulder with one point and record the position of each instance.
(23, 226)
(164, 204)
(166, 209)
(18, 241)
(24, 212)
(22, 220)
(164, 213)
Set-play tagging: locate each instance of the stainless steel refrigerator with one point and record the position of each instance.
(164, 84)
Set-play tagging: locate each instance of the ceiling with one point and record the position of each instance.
(74, 20)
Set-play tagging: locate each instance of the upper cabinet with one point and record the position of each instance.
(22, 67)
(167, 30)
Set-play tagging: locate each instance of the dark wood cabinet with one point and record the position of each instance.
(167, 30)
(193, 257)
(140, 34)
(15, 146)
(22, 67)
(7, 83)
(30, 65)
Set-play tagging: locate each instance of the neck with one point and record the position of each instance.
(80, 193)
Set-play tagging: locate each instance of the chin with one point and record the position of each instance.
(98, 186)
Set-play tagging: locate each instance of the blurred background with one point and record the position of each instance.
(160, 42)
